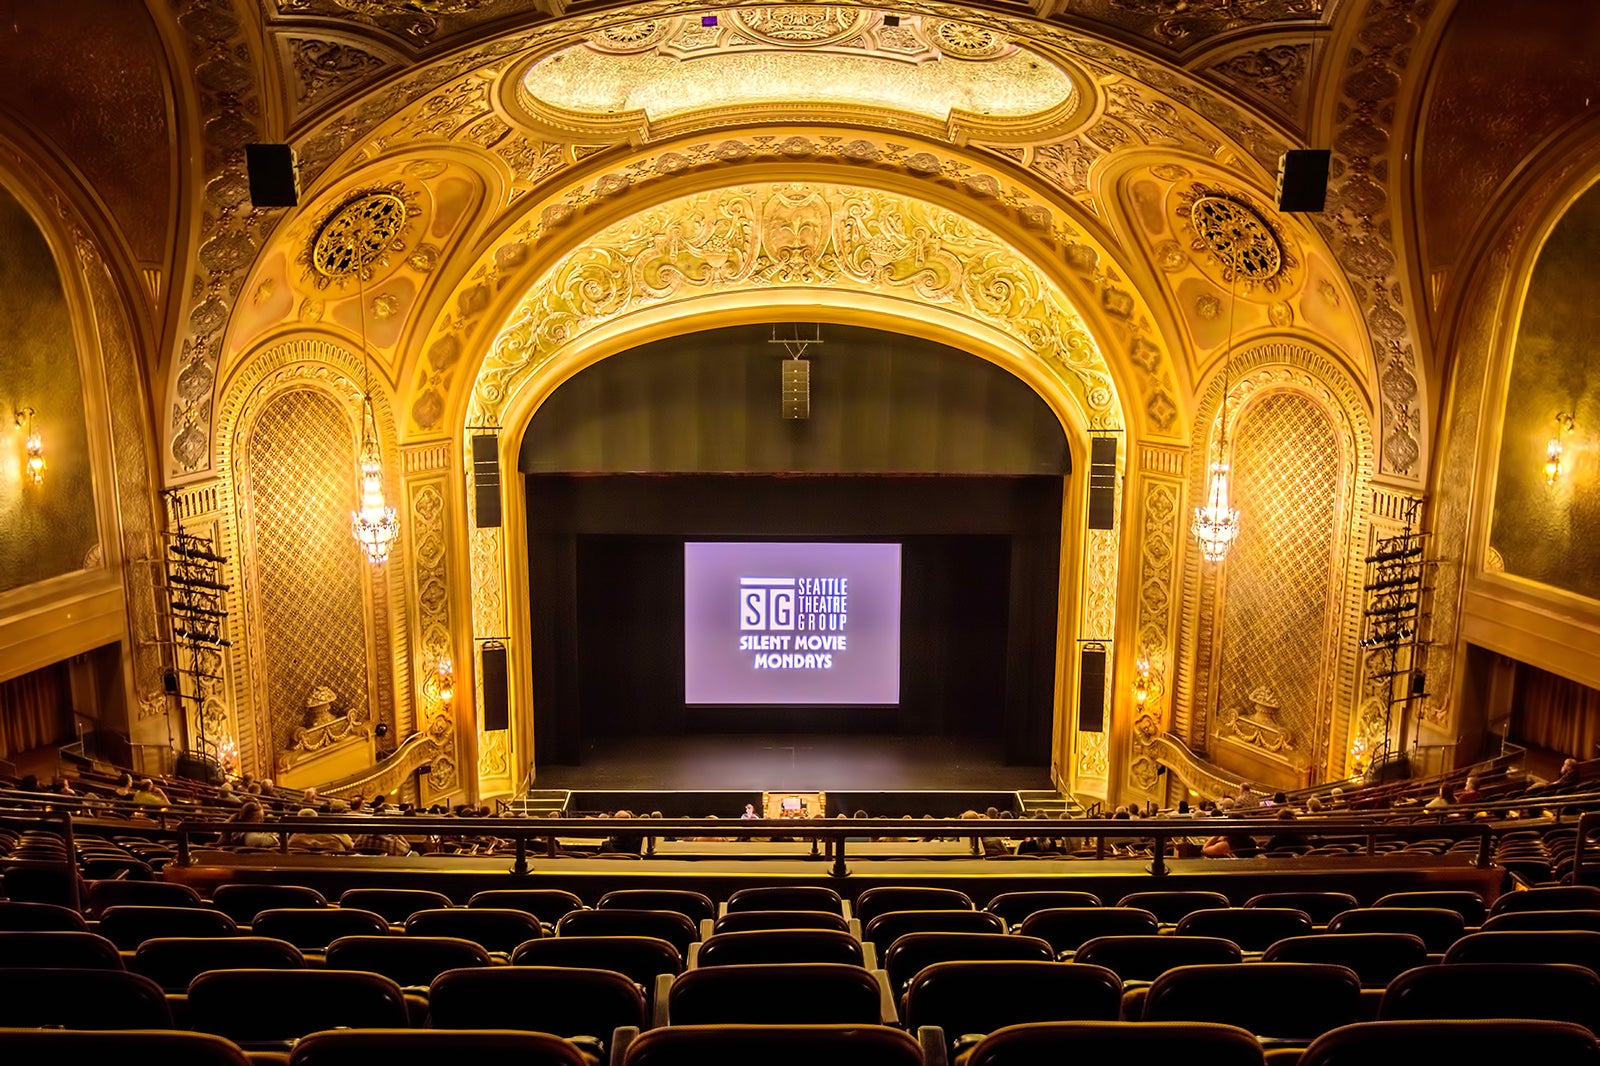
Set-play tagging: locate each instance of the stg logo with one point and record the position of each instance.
(766, 603)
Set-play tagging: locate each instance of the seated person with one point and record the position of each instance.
(318, 841)
(629, 843)
(1287, 838)
(148, 795)
(1229, 846)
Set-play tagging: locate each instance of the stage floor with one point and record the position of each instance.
(793, 761)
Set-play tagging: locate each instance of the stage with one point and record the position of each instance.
(832, 762)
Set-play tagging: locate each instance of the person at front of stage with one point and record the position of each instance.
(629, 843)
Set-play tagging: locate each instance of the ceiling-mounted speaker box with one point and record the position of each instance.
(272, 176)
(1303, 180)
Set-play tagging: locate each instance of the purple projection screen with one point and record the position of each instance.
(787, 623)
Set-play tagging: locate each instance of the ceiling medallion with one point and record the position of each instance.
(1242, 240)
(380, 8)
(359, 234)
(793, 25)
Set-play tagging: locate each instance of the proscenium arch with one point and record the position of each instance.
(498, 561)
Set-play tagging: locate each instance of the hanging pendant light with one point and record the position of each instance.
(375, 525)
(1216, 522)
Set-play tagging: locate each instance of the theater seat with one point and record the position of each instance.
(129, 926)
(394, 904)
(744, 921)
(909, 954)
(696, 906)
(1013, 907)
(1555, 992)
(81, 999)
(314, 928)
(1534, 920)
(676, 929)
(780, 945)
(79, 951)
(18, 916)
(1377, 958)
(1144, 958)
(875, 901)
(243, 902)
(774, 1045)
(425, 1047)
(1469, 905)
(496, 929)
(799, 993)
(1280, 1001)
(1562, 898)
(565, 1001)
(118, 1046)
(104, 894)
(963, 998)
(173, 962)
(640, 958)
(406, 960)
(885, 929)
(1253, 929)
(546, 904)
(1438, 928)
(271, 1007)
(1454, 1042)
(1118, 1043)
(1170, 905)
(786, 898)
(1321, 906)
(1067, 928)
(1577, 947)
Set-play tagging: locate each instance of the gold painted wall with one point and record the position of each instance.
(50, 529)
(302, 473)
(1548, 534)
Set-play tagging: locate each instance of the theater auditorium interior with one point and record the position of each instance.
(640, 532)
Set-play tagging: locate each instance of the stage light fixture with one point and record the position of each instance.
(708, 20)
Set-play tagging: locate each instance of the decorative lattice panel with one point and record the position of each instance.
(313, 622)
(1275, 612)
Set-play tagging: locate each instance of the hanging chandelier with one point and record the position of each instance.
(1216, 522)
(376, 524)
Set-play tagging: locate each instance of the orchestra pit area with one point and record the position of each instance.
(1341, 925)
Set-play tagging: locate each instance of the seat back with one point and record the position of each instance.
(173, 962)
(780, 945)
(1067, 928)
(81, 999)
(243, 902)
(774, 1045)
(257, 1006)
(1551, 991)
(546, 904)
(79, 951)
(496, 929)
(104, 894)
(786, 898)
(1469, 905)
(1376, 958)
(886, 928)
(1144, 958)
(394, 904)
(562, 1000)
(1279, 1000)
(18, 916)
(427, 1047)
(1513, 920)
(1013, 907)
(1170, 905)
(1118, 1042)
(696, 906)
(1478, 1041)
(43, 881)
(314, 928)
(794, 993)
(1532, 945)
(1321, 906)
(676, 929)
(912, 953)
(1253, 929)
(640, 958)
(742, 921)
(1561, 898)
(982, 996)
(129, 926)
(1438, 928)
(875, 901)
(406, 960)
(168, 1048)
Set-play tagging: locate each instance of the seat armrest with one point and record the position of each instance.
(855, 925)
(1282, 1056)
(1371, 1000)
(849, 914)
(1133, 1004)
(869, 955)
(693, 960)
(887, 1008)
(621, 1037)
(707, 927)
(659, 1015)
(935, 1052)
(722, 908)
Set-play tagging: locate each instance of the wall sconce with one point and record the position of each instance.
(33, 466)
(1553, 449)
(1146, 682)
(447, 680)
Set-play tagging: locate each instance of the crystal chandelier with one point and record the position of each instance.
(1216, 522)
(375, 525)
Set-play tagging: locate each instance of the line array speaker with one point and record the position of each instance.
(1092, 688)
(272, 176)
(1303, 180)
(496, 712)
(797, 388)
(1102, 482)
(486, 480)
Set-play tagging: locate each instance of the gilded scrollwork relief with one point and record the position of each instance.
(1157, 569)
(1276, 75)
(430, 581)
